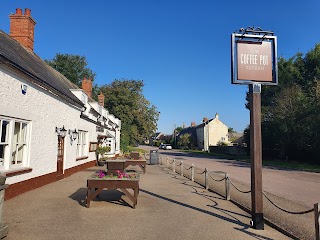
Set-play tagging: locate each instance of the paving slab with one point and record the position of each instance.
(169, 207)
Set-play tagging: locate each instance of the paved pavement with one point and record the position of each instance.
(169, 207)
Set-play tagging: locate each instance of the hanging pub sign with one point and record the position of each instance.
(254, 57)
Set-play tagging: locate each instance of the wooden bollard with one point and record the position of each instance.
(206, 178)
(227, 183)
(317, 220)
(174, 165)
(192, 172)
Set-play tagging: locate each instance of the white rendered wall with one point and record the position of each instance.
(217, 131)
(45, 112)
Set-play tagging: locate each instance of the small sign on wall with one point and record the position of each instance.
(24, 88)
(93, 146)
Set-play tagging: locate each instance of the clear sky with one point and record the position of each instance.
(179, 48)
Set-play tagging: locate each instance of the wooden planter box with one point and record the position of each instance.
(141, 163)
(96, 185)
(114, 165)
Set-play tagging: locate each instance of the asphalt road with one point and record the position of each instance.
(298, 186)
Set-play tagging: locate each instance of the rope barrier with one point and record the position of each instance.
(217, 180)
(187, 168)
(179, 164)
(199, 172)
(238, 188)
(171, 162)
(227, 178)
(287, 211)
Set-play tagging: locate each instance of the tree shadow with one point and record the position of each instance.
(232, 219)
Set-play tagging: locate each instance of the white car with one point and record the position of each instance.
(167, 147)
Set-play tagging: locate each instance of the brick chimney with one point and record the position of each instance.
(205, 119)
(101, 99)
(193, 124)
(87, 86)
(22, 28)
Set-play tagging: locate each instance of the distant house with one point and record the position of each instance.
(209, 133)
(49, 127)
(154, 138)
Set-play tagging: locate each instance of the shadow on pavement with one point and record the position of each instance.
(229, 219)
(111, 196)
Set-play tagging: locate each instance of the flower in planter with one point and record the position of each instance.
(119, 174)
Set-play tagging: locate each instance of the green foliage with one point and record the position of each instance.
(291, 110)
(102, 150)
(138, 116)
(73, 67)
(184, 140)
(178, 129)
(222, 143)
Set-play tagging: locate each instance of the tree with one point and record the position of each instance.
(73, 67)
(291, 110)
(184, 140)
(138, 116)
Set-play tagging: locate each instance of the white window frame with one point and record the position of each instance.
(82, 144)
(11, 159)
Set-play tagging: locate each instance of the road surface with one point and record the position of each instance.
(298, 186)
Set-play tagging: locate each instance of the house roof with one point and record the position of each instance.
(189, 130)
(201, 125)
(13, 54)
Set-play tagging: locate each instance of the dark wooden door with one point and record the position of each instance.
(60, 156)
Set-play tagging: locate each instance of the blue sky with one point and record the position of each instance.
(179, 48)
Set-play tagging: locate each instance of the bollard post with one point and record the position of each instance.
(317, 220)
(145, 156)
(206, 178)
(227, 186)
(167, 162)
(181, 168)
(174, 165)
(192, 172)
(3, 227)
(160, 158)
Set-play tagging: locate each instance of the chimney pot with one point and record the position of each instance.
(87, 86)
(18, 11)
(205, 119)
(22, 28)
(27, 12)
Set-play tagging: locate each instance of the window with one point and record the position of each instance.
(82, 144)
(13, 143)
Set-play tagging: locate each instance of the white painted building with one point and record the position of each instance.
(211, 132)
(36, 104)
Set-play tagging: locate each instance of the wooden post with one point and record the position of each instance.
(181, 168)
(256, 156)
(227, 183)
(192, 172)
(206, 178)
(174, 165)
(317, 220)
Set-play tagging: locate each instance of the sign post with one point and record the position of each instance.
(254, 62)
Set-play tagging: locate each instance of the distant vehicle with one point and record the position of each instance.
(167, 147)
(161, 146)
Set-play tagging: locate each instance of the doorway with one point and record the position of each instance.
(60, 156)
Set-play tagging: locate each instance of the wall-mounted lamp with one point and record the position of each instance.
(61, 132)
(73, 134)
